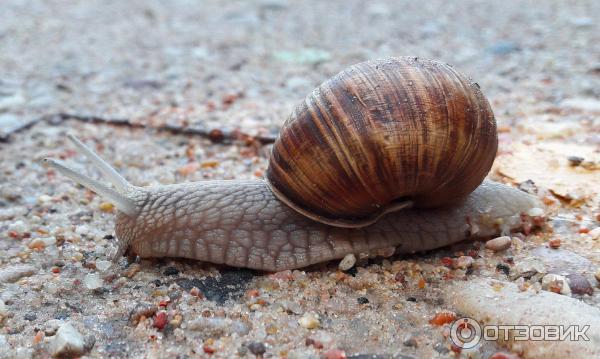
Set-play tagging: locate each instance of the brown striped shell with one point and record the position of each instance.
(382, 135)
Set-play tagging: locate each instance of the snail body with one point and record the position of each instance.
(356, 169)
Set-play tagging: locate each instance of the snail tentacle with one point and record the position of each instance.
(107, 170)
(119, 197)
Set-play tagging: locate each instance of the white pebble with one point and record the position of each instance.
(530, 266)
(17, 226)
(82, 230)
(555, 281)
(67, 342)
(309, 320)
(103, 265)
(535, 212)
(92, 281)
(595, 233)
(498, 244)
(348, 262)
(44, 199)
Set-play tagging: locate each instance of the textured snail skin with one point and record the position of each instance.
(242, 224)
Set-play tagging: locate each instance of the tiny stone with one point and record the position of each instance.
(51, 326)
(579, 284)
(575, 160)
(309, 321)
(44, 199)
(242, 350)
(535, 212)
(103, 265)
(92, 281)
(554, 243)
(82, 230)
(410, 341)
(362, 300)
(498, 244)
(530, 266)
(171, 271)
(595, 233)
(17, 226)
(257, 348)
(68, 342)
(30, 316)
(556, 283)
(463, 262)
(347, 262)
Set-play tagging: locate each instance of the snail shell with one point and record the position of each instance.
(380, 135)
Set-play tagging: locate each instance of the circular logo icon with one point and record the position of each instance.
(465, 333)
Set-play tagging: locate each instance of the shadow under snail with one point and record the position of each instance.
(389, 153)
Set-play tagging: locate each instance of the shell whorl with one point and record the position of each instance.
(381, 133)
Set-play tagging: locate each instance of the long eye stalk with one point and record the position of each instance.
(118, 197)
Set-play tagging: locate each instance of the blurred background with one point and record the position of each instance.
(246, 63)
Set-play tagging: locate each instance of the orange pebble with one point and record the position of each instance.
(443, 318)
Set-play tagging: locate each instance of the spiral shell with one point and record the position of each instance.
(381, 134)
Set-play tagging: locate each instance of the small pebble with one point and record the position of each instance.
(17, 226)
(51, 326)
(410, 341)
(171, 271)
(347, 262)
(160, 320)
(443, 318)
(554, 243)
(309, 321)
(362, 300)
(556, 283)
(103, 265)
(595, 233)
(535, 212)
(106, 207)
(68, 342)
(530, 266)
(579, 284)
(463, 262)
(92, 281)
(575, 160)
(334, 354)
(82, 230)
(499, 244)
(256, 348)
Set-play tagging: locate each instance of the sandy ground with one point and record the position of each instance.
(244, 65)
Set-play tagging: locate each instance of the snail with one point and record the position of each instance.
(388, 153)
